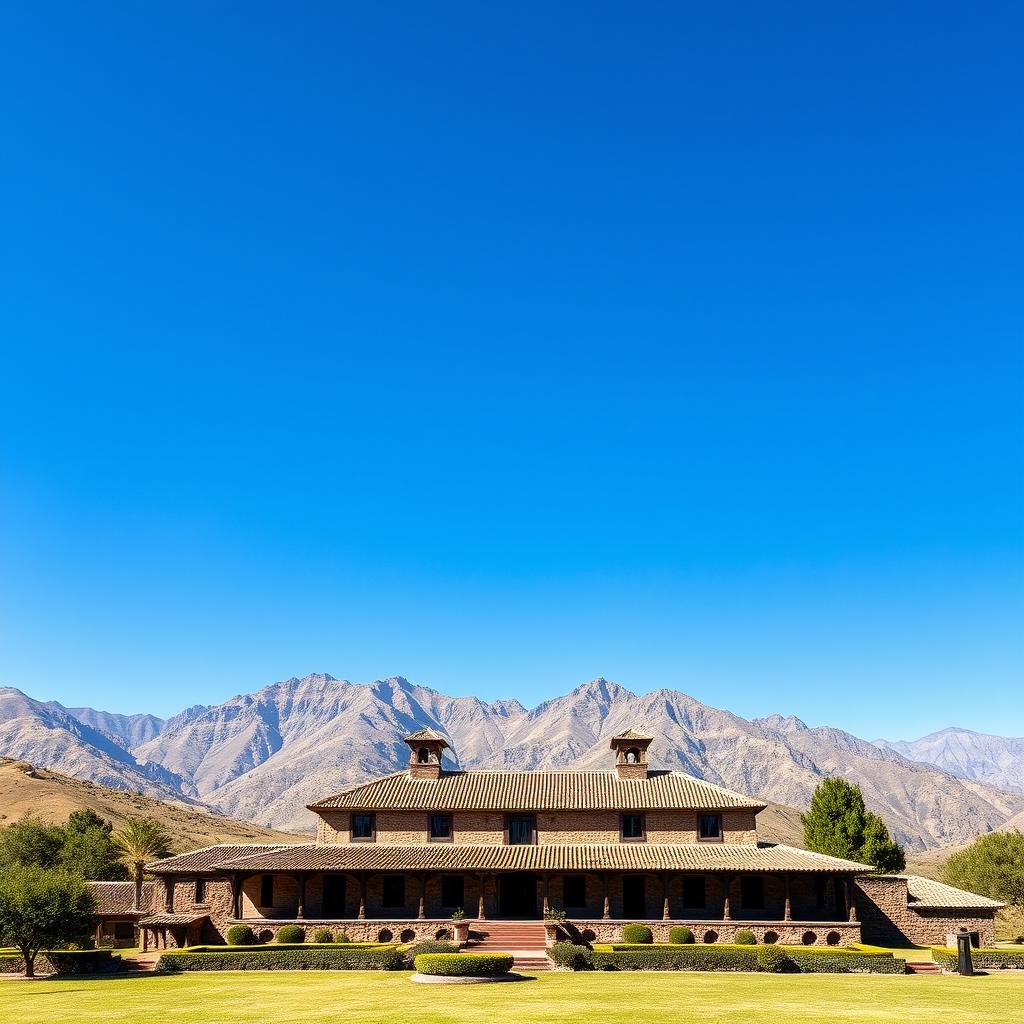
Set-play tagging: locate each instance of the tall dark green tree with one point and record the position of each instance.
(89, 848)
(838, 824)
(30, 841)
(42, 909)
(991, 866)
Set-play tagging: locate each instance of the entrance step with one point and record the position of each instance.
(923, 967)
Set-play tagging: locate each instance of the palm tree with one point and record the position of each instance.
(140, 840)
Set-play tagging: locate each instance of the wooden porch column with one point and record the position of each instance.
(481, 914)
(145, 939)
(300, 910)
(851, 900)
(606, 915)
(421, 913)
(99, 933)
(361, 915)
(665, 910)
(726, 904)
(787, 912)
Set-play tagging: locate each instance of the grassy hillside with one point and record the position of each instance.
(53, 797)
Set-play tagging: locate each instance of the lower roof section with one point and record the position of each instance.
(171, 920)
(749, 857)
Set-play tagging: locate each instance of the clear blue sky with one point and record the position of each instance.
(676, 343)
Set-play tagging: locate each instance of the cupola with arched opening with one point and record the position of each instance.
(425, 750)
(631, 754)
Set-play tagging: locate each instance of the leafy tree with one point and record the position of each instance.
(42, 909)
(140, 840)
(89, 848)
(838, 824)
(992, 866)
(31, 841)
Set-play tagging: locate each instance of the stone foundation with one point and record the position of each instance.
(358, 931)
(787, 933)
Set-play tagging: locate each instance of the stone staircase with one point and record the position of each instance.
(923, 967)
(525, 940)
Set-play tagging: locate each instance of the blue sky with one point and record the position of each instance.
(505, 349)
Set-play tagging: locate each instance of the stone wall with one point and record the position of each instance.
(889, 919)
(793, 933)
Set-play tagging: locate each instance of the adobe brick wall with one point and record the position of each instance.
(795, 933)
(888, 919)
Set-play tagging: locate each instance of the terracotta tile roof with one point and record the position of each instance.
(927, 893)
(117, 899)
(164, 920)
(205, 858)
(537, 791)
(426, 734)
(632, 734)
(550, 857)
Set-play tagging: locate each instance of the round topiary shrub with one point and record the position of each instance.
(770, 938)
(240, 935)
(637, 933)
(443, 934)
(680, 935)
(407, 935)
(291, 933)
(464, 965)
(323, 935)
(745, 937)
(770, 959)
(342, 937)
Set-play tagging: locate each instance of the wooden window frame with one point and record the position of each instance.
(508, 827)
(372, 837)
(720, 838)
(450, 838)
(623, 838)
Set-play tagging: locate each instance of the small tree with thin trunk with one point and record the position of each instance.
(41, 909)
(140, 840)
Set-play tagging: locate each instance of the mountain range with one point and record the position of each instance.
(263, 756)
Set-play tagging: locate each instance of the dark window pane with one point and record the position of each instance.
(694, 892)
(266, 890)
(453, 891)
(362, 826)
(520, 829)
(440, 826)
(394, 891)
(334, 896)
(710, 826)
(200, 890)
(574, 891)
(632, 826)
(752, 893)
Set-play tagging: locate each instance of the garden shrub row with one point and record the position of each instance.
(243, 935)
(687, 957)
(350, 957)
(983, 959)
(464, 965)
(63, 961)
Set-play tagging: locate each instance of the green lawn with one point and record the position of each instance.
(555, 998)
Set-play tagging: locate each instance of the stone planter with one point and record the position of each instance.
(461, 931)
(551, 931)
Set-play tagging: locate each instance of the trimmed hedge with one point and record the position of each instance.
(745, 937)
(290, 934)
(985, 959)
(241, 935)
(464, 965)
(284, 958)
(686, 957)
(64, 961)
(429, 946)
(323, 936)
(680, 935)
(637, 933)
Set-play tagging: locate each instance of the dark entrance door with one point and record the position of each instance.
(517, 895)
(334, 896)
(634, 901)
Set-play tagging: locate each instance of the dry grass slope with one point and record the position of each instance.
(53, 797)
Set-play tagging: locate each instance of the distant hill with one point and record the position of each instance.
(993, 760)
(53, 797)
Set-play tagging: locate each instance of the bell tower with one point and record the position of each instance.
(631, 754)
(425, 749)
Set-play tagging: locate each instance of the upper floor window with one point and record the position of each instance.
(200, 890)
(363, 828)
(520, 829)
(441, 827)
(633, 827)
(266, 890)
(710, 826)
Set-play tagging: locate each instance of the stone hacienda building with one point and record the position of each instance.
(396, 857)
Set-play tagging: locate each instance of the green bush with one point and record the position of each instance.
(464, 965)
(674, 958)
(64, 961)
(843, 961)
(241, 935)
(771, 959)
(984, 959)
(291, 933)
(285, 958)
(680, 935)
(637, 933)
(569, 955)
(411, 952)
(323, 936)
(342, 937)
(745, 937)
